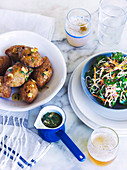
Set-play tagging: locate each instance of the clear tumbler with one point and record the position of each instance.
(112, 19)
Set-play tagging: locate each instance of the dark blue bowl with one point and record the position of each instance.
(87, 66)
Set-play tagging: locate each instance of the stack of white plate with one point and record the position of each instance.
(86, 110)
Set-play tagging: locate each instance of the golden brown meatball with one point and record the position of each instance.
(29, 91)
(30, 56)
(12, 52)
(16, 75)
(5, 91)
(5, 62)
(43, 74)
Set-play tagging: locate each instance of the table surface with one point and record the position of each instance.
(59, 157)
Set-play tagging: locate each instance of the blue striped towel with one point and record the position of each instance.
(20, 148)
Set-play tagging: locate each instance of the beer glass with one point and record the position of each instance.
(103, 146)
(78, 27)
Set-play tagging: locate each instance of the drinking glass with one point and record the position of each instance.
(78, 27)
(112, 19)
(103, 146)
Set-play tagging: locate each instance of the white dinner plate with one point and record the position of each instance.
(45, 48)
(86, 109)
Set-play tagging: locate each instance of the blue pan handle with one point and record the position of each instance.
(71, 146)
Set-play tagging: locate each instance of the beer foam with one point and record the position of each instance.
(74, 25)
(103, 147)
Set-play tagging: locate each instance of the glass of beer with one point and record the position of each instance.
(78, 27)
(103, 146)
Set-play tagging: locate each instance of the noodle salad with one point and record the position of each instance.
(107, 79)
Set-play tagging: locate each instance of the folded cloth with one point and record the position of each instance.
(15, 20)
(19, 147)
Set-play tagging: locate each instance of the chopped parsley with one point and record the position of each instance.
(32, 59)
(26, 78)
(22, 72)
(43, 74)
(30, 70)
(10, 69)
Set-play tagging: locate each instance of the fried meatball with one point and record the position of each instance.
(5, 62)
(12, 52)
(29, 91)
(43, 74)
(16, 75)
(5, 91)
(30, 56)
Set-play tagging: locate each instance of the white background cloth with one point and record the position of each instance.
(14, 20)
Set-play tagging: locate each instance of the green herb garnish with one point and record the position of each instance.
(43, 74)
(31, 70)
(10, 69)
(22, 72)
(32, 59)
(26, 78)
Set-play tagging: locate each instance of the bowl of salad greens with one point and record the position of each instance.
(104, 80)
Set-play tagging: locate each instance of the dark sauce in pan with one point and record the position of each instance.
(51, 119)
(16, 97)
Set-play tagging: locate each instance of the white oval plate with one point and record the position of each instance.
(45, 48)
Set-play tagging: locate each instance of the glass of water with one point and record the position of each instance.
(112, 19)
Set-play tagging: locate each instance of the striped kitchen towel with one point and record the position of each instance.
(19, 147)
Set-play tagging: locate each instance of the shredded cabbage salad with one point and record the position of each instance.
(107, 79)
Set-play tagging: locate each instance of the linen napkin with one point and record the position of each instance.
(20, 148)
(15, 20)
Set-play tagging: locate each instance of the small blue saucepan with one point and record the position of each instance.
(54, 134)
